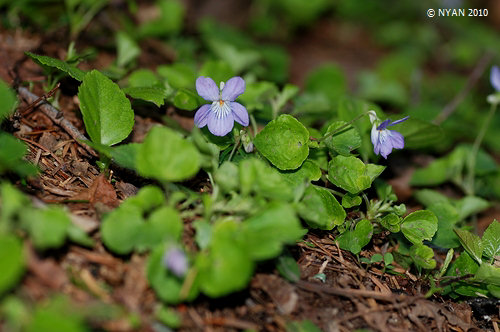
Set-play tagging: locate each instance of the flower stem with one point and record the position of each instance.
(339, 129)
(236, 145)
(471, 161)
(254, 125)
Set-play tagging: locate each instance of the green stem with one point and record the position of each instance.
(337, 193)
(471, 162)
(339, 129)
(254, 125)
(236, 144)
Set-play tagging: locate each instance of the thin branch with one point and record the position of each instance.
(57, 117)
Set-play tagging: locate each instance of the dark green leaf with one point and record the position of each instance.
(155, 95)
(355, 240)
(491, 240)
(72, 71)
(472, 243)
(419, 226)
(320, 209)
(11, 261)
(423, 256)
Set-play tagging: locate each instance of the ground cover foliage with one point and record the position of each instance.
(252, 165)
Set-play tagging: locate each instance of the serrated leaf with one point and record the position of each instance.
(355, 240)
(155, 95)
(72, 71)
(284, 142)
(491, 240)
(165, 155)
(419, 226)
(472, 243)
(107, 113)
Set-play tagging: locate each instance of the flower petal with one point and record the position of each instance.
(201, 116)
(220, 126)
(384, 124)
(398, 141)
(495, 77)
(399, 121)
(207, 89)
(240, 113)
(374, 135)
(234, 87)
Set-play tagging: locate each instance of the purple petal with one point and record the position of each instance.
(384, 124)
(240, 113)
(233, 88)
(201, 116)
(398, 141)
(220, 126)
(175, 260)
(399, 121)
(207, 89)
(495, 77)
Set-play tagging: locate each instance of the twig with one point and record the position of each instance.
(34, 104)
(57, 117)
(349, 293)
(471, 81)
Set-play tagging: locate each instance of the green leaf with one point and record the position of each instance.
(48, 228)
(429, 197)
(143, 78)
(284, 142)
(351, 174)
(355, 240)
(289, 91)
(265, 233)
(78, 235)
(11, 261)
(423, 256)
(303, 326)
(58, 316)
(218, 70)
(178, 75)
(463, 265)
(227, 267)
(446, 263)
(349, 201)
(170, 21)
(263, 180)
(491, 240)
(120, 228)
(125, 155)
(307, 172)
(419, 133)
(257, 95)
(165, 155)
(488, 274)
(12, 152)
(7, 100)
(288, 267)
(391, 222)
(435, 173)
(168, 316)
(163, 224)
(320, 209)
(227, 176)
(72, 71)
(419, 226)
(155, 95)
(472, 243)
(166, 286)
(470, 205)
(343, 142)
(388, 258)
(327, 79)
(106, 111)
(448, 217)
(127, 51)
(186, 99)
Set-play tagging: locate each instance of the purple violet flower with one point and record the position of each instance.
(223, 111)
(495, 78)
(384, 140)
(175, 260)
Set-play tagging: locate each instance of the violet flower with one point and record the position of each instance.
(495, 78)
(383, 139)
(175, 260)
(223, 111)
